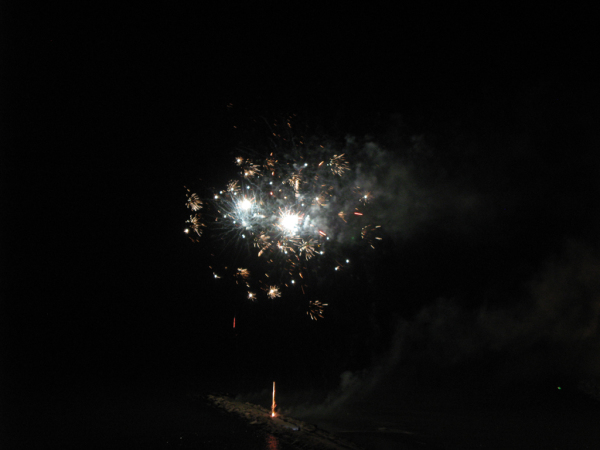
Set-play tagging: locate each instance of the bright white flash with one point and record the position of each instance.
(245, 204)
(289, 221)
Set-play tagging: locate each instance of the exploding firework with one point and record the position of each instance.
(233, 187)
(193, 201)
(291, 214)
(195, 224)
(308, 248)
(273, 292)
(249, 169)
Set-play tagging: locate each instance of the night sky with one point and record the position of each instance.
(491, 250)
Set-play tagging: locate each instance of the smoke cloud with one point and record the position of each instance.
(494, 277)
(409, 191)
(550, 334)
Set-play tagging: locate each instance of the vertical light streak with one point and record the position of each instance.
(273, 405)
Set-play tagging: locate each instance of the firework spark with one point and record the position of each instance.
(249, 169)
(233, 187)
(243, 273)
(338, 165)
(273, 292)
(315, 309)
(262, 242)
(307, 248)
(294, 182)
(195, 224)
(194, 202)
(269, 163)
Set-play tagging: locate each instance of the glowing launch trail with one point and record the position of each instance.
(273, 405)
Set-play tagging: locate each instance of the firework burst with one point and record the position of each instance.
(194, 202)
(233, 187)
(291, 214)
(249, 169)
(273, 292)
(196, 224)
(308, 248)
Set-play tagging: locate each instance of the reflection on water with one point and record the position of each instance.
(272, 442)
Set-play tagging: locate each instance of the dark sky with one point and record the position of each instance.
(113, 112)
